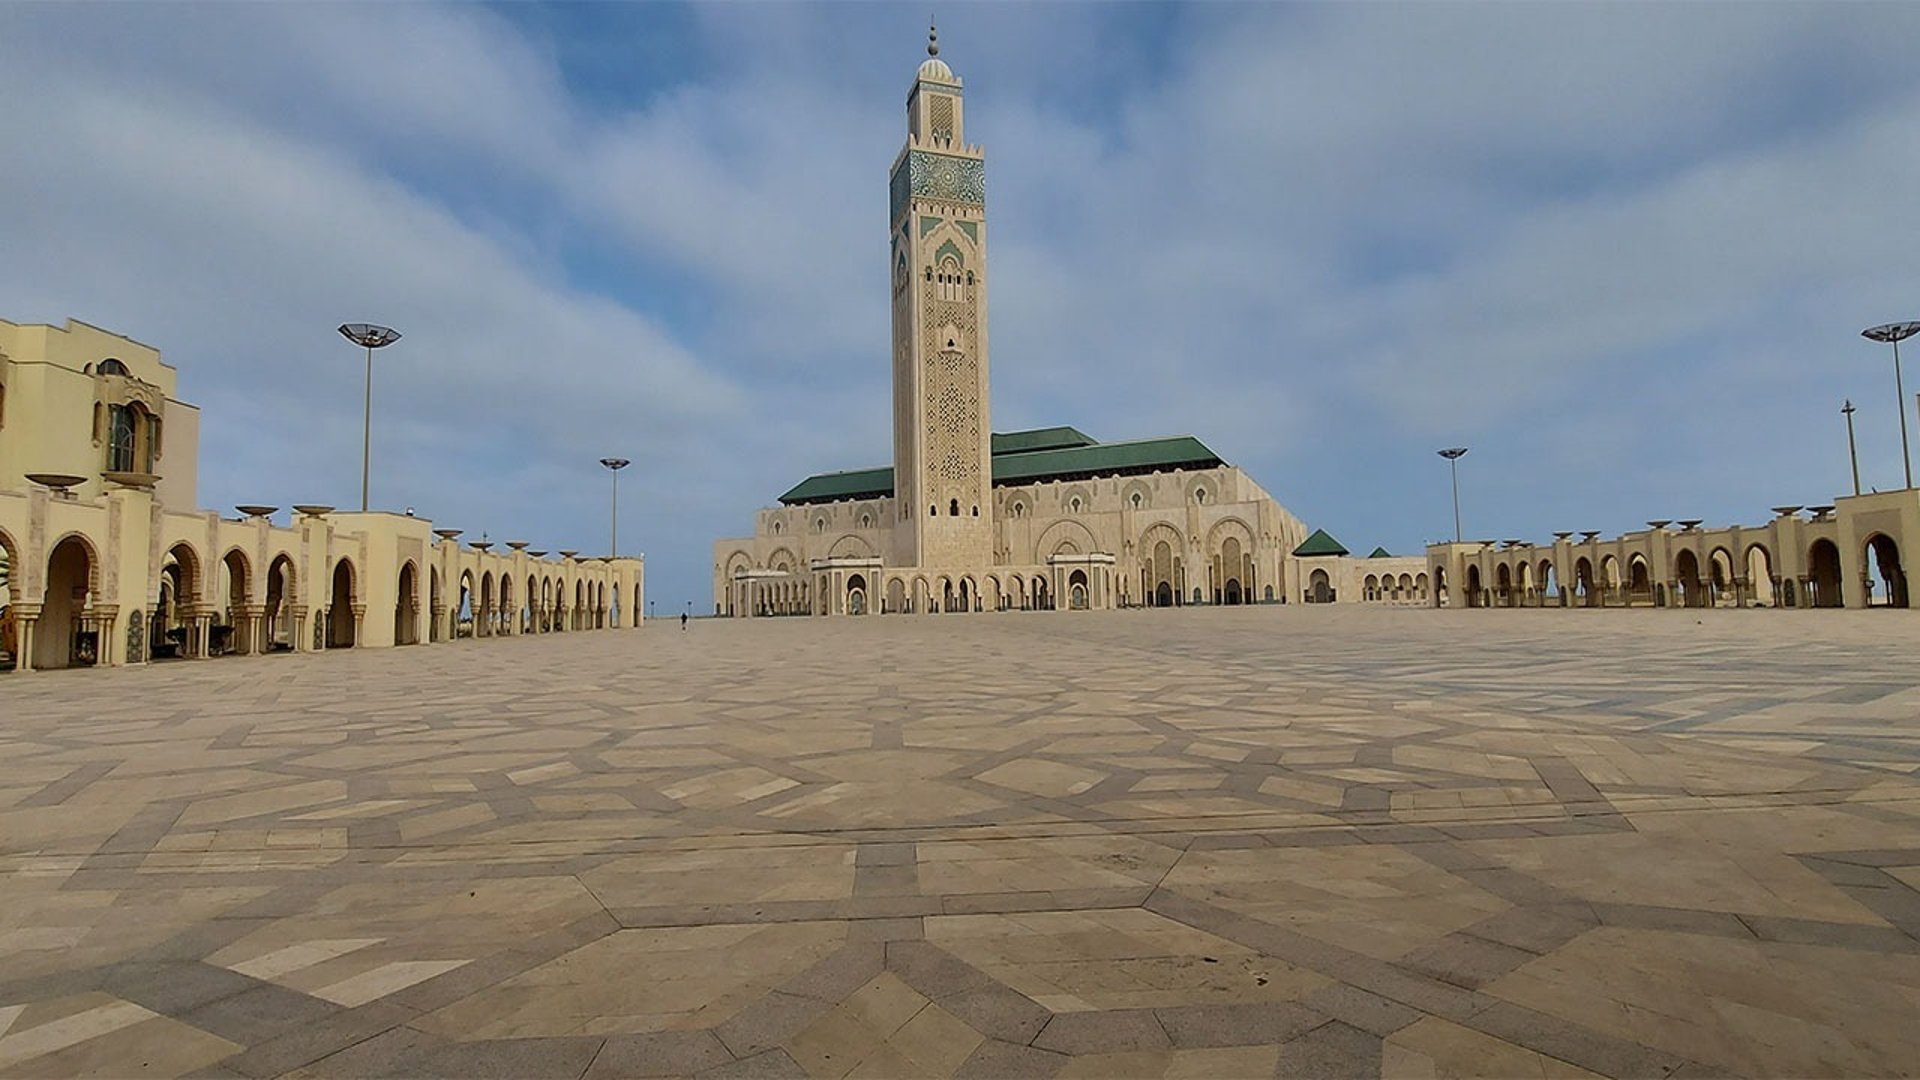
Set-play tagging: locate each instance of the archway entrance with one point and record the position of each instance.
(1883, 556)
(234, 629)
(1823, 573)
(406, 612)
(65, 635)
(1320, 588)
(1760, 578)
(340, 608)
(1475, 594)
(1163, 595)
(279, 622)
(1077, 590)
(1233, 591)
(1686, 569)
(857, 595)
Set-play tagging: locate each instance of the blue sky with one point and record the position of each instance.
(1623, 252)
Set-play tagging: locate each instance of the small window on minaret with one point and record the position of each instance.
(953, 508)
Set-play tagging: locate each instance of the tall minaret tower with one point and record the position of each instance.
(942, 469)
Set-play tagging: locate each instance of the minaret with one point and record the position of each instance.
(942, 472)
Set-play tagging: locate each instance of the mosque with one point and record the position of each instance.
(968, 519)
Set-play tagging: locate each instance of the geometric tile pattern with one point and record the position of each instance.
(1236, 842)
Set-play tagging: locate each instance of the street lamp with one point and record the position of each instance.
(1893, 334)
(369, 337)
(1453, 454)
(614, 465)
(1853, 455)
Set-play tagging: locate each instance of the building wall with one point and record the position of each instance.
(118, 562)
(1196, 513)
(1853, 553)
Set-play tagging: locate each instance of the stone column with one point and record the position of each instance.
(359, 624)
(28, 618)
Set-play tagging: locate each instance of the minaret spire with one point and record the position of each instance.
(933, 38)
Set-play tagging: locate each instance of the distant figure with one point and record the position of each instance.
(683, 620)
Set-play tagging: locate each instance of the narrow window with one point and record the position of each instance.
(953, 507)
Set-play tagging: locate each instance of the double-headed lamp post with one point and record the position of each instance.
(369, 337)
(614, 465)
(1893, 334)
(1453, 454)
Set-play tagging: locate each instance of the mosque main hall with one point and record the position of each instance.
(968, 519)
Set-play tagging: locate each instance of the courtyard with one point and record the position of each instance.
(1233, 842)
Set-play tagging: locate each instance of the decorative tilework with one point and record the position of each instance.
(928, 224)
(944, 176)
(971, 228)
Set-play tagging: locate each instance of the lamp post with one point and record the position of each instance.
(369, 337)
(1453, 454)
(1853, 455)
(614, 465)
(1893, 334)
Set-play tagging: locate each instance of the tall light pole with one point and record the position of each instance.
(1893, 334)
(614, 465)
(369, 337)
(1853, 455)
(1453, 454)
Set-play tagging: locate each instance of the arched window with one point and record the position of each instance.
(1200, 496)
(120, 438)
(953, 507)
(866, 521)
(1073, 504)
(776, 528)
(1137, 500)
(819, 525)
(933, 511)
(110, 366)
(976, 511)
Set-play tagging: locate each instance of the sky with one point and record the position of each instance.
(1622, 252)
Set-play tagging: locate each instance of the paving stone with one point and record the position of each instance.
(997, 1060)
(658, 1053)
(1332, 1051)
(511, 1059)
(1196, 1026)
(1112, 1032)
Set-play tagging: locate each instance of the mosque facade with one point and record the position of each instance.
(970, 520)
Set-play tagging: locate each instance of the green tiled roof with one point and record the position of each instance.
(834, 486)
(1320, 544)
(1068, 455)
(1052, 438)
(1381, 553)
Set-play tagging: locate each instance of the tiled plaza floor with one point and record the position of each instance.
(1248, 842)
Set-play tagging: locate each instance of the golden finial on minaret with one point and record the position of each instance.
(933, 38)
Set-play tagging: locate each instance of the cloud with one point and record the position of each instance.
(1622, 253)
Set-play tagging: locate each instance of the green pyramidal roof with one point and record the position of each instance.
(1024, 457)
(1320, 544)
(1381, 553)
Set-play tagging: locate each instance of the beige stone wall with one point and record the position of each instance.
(1851, 553)
(106, 571)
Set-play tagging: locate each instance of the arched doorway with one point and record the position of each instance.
(1475, 594)
(1720, 575)
(857, 595)
(406, 612)
(1441, 599)
(1823, 572)
(234, 631)
(340, 609)
(1042, 601)
(1882, 555)
(1639, 580)
(1503, 585)
(1160, 571)
(1319, 588)
(896, 597)
(64, 635)
(483, 614)
(1760, 583)
(966, 594)
(1077, 590)
(1583, 589)
(1163, 594)
(9, 629)
(1549, 582)
(280, 593)
(1686, 571)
